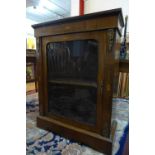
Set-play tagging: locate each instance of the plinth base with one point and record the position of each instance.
(91, 139)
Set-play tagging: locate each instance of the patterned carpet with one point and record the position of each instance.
(41, 142)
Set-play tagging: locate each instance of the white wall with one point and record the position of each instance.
(30, 33)
(75, 7)
(101, 5)
(29, 29)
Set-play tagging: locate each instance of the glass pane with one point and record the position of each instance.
(73, 102)
(72, 79)
(73, 60)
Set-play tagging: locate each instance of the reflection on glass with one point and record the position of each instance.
(73, 60)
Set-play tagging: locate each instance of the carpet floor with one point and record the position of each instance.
(42, 142)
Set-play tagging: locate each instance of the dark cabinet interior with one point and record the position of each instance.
(74, 102)
(77, 71)
(73, 60)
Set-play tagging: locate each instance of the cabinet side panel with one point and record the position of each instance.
(116, 64)
(40, 76)
(109, 71)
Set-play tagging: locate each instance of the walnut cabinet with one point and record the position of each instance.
(77, 66)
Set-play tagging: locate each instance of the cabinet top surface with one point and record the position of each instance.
(117, 12)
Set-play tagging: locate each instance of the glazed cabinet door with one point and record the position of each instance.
(73, 78)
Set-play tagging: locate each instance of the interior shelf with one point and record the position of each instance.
(74, 82)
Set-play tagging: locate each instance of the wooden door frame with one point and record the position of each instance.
(100, 37)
